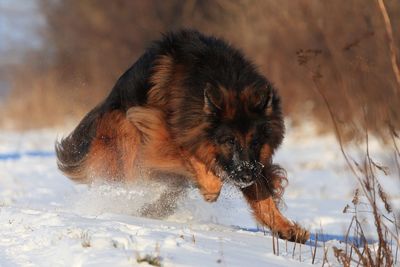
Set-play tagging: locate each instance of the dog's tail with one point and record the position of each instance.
(72, 150)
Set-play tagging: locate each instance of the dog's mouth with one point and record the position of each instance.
(242, 184)
(237, 178)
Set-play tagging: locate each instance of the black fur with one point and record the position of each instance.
(208, 61)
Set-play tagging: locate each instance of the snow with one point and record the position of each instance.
(46, 220)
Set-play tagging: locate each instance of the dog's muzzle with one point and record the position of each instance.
(246, 173)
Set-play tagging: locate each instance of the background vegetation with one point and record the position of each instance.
(88, 44)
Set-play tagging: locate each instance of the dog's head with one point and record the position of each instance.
(246, 126)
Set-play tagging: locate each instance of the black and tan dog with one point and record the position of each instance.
(192, 106)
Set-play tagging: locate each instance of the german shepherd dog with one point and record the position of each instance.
(191, 107)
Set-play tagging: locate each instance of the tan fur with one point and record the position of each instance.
(209, 184)
(156, 149)
(113, 151)
(265, 154)
(157, 152)
(163, 74)
(266, 212)
(229, 103)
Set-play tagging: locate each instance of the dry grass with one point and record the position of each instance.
(392, 44)
(371, 196)
(153, 259)
(83, 57)
(86, 239)
(372, 199)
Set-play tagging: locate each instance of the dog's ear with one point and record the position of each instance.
(212, 100)
(262, 100)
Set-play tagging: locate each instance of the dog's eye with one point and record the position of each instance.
(255, 143)
(230, 141)
(227, 140)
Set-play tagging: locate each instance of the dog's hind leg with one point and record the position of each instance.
(166, 204)
(102, 147)
(113, 150)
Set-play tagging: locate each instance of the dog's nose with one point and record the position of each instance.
(246, 174)
(247, 177)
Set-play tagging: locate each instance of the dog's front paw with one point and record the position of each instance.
(210, 197)
(296, 233)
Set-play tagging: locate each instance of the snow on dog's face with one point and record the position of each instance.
(246, 127)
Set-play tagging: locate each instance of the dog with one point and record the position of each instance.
(192, 107)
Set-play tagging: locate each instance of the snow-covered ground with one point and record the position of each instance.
(46, 220)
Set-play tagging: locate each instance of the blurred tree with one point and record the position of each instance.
(90, 43)
(94, 41)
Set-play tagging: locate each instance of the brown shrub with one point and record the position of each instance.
(90, 43)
